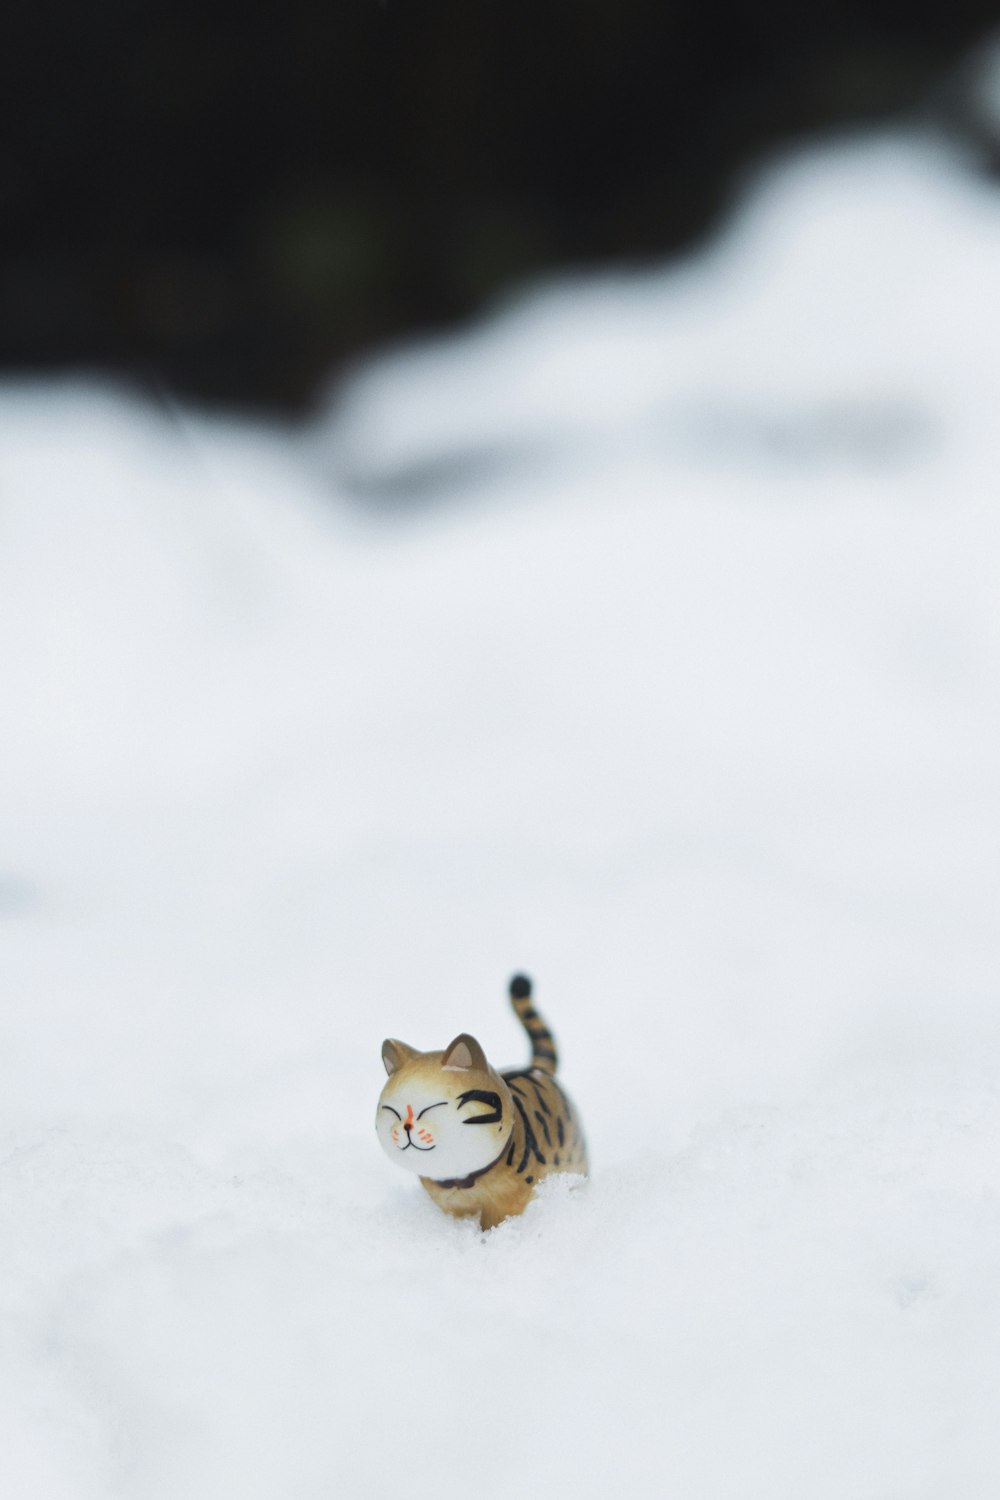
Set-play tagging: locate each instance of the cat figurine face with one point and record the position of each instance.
(479, 1140)
(443, 1115)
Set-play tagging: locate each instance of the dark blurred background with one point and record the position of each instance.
(231, 201)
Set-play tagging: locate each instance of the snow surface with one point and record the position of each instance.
(675, 682)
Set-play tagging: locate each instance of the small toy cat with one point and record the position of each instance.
(480, 1140)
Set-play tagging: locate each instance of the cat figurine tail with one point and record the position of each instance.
(480, 1140)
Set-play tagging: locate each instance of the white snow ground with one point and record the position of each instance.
(678, 688)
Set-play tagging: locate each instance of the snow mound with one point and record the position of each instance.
(844, 318)
(690, 711)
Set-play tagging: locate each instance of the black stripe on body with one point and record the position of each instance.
(531, 1147)
(541, 1080)
(557, 1127)
(540, 1096)
(544, 1086)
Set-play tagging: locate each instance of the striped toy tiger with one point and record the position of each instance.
(523, 1127)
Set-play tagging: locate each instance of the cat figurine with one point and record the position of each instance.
(480, 1141)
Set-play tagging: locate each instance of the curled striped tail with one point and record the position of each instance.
(543, 1047)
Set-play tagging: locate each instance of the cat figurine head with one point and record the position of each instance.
(443, 1115)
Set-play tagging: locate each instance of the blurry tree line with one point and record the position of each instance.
(233, 199)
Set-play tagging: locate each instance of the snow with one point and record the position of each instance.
(661, 661)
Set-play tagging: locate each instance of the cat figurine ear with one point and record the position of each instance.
(465, 1052)
(395, 1054)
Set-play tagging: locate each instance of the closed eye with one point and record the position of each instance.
(431, 1106)
(392, 1111)
(481, 1096)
